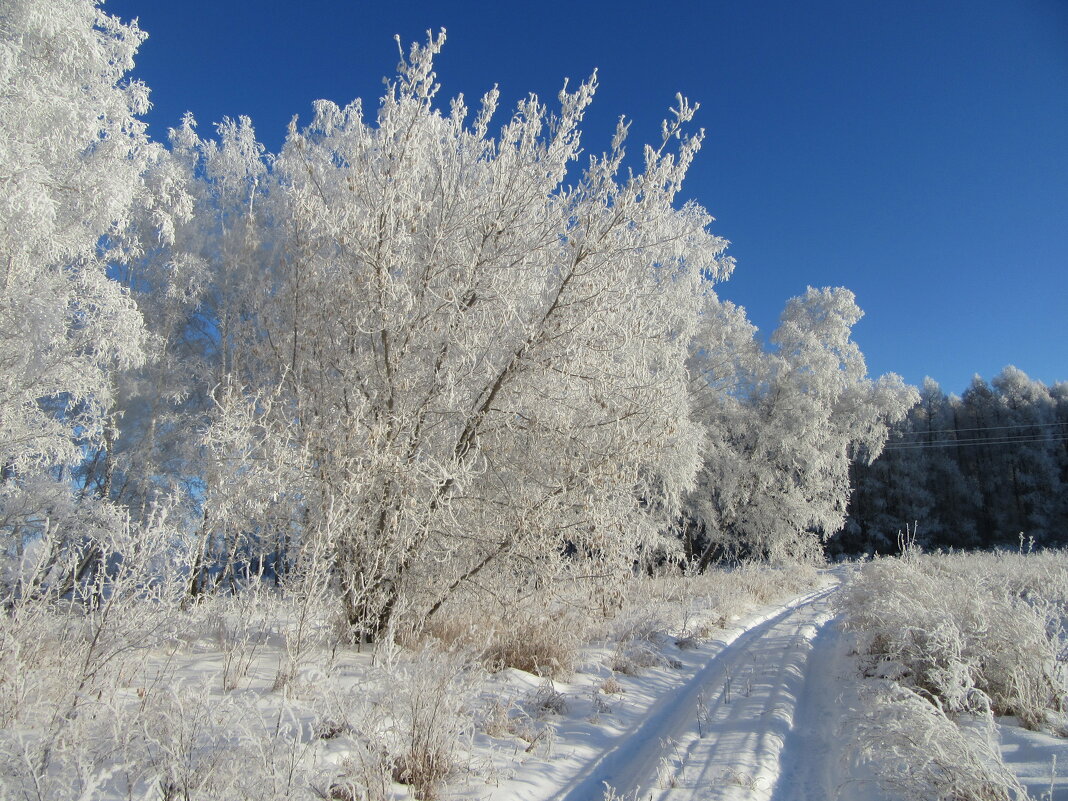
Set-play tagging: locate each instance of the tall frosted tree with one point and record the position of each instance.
(174, 253)
(889, 497)
(463, 355)
(776, 477)
(72, 150)
(403, 358)
(1059, 446)
(981, 419)
(1029, 465)
(916, 484)
(930, 449)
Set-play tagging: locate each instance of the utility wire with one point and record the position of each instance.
(983, 440)
(984, 428)
(953, 443)
(1035, 435)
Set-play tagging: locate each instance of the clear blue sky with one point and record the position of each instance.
(914, 151)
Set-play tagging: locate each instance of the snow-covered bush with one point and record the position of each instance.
(79, 627)
(540, 636)
(712, 599)
(916, 751)
(544, 647)
(968, 632)
(429, 696)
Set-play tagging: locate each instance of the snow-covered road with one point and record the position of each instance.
(728, 732)
(761, 713)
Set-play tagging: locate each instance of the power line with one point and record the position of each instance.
(983, 428)
(981, 441)
(953, 443)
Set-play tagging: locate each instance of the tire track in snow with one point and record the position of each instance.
(807, 764)
(724, 728)
(741, 753)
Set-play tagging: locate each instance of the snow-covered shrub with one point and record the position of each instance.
(537, 634)
(548, 700)
(366, 776)
(642, 623)
(709, 600)
(429, 696)
(631, 659)
(184, 731)
(281, 755)
(733, 587)
(194, 741)
(80, 622)
(501, 719)
(639, 636)
(243, 624)
(968, 632)
(767, 584)
(544, 647)
(915, 751)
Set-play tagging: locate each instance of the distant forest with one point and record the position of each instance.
(975, 471)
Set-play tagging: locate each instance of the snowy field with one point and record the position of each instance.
(749, 684)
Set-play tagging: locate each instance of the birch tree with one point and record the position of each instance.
(72, 150)
(776, 478)
(468, 353)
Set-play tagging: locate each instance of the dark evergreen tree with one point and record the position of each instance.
(975, 471)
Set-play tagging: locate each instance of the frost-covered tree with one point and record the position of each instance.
(954, 496)
(980, 418)
(72, 151)
(987, 466)
(405, 356)
(776, 477)
(916, 484)
(456, 356)
(1059, 443)
(1029, 463)
(888, 501)
(173, 256)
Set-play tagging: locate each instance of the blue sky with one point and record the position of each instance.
(915, 151)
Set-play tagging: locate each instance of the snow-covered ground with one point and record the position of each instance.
(1038, 759)
(676, 700)
(760, 712)
(746, 715)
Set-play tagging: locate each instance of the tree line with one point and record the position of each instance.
(407, 356)
(984, 469)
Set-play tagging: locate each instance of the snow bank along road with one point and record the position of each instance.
(754, 722)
